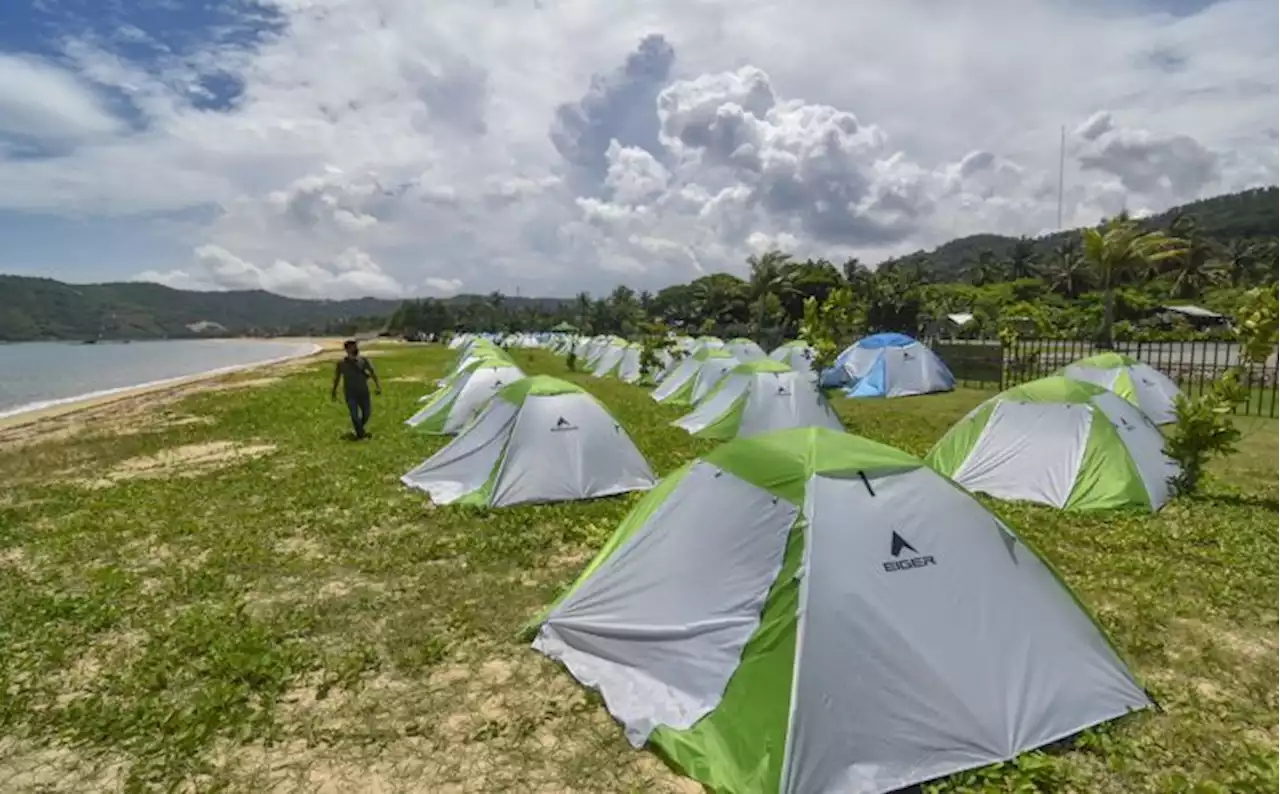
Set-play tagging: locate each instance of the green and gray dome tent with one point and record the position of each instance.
(694, 376)
(797, 354)
(601, 346)
(620, 361)
(707, 343)
(1141, 384)
(467, 365)
(807, 611)
(451, 408)
(710, 373)
(758, 397)
(744, 349)
(477, 348)
(539, 440)
(1059, 442)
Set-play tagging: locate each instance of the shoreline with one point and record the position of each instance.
(34, 413)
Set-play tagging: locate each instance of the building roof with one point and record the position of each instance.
(1193, 311)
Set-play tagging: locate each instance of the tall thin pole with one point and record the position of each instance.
(1062, 167)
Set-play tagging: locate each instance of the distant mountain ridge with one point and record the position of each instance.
(1249, 214)
(41, 308)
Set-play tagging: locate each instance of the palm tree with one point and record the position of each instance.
(1237, 259)
(858, 276)
(769, 276)
(496, 300)
(1266, 255)
(1022, 259)
(984, 269)
(1067, 272)
(1196, 267)
(1120, 247)
(626, 312)
(583, 302)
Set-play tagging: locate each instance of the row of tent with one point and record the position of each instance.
(880, 365)
(1083, 439)
(803, 609)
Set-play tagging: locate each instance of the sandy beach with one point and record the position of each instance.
(69, 418)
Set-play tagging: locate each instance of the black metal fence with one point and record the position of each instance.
(989, 363)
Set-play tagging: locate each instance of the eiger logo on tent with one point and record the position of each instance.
(563, 424)
(899, 544)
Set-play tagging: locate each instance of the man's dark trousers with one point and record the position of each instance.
(360, 404)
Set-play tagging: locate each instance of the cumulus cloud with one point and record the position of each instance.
(443, 287)
(1146, 162)
(364, 147)
(351, 274)
(618, 106)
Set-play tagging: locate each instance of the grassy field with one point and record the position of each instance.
(222, 593)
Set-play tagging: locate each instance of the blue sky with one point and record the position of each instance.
(391, 147)
(80, 247)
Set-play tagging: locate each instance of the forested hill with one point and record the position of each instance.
(41, 308)
(1248, 215)
(38, 308)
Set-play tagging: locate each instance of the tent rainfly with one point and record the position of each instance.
(465, 366)
(810, 611)
(888, 365)
(694, 376)
(1141, 384)
(710, 374)
(540, 440)
(453, 406)
(758, 397)
(798, 355)
(622, 362)
(1060, 442)
(744, 349)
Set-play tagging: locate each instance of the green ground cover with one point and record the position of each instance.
(224, 594)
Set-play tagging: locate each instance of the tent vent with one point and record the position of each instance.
(866, 482)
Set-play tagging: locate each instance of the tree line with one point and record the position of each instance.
(1105, 281)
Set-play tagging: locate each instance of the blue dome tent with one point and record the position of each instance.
(888, 365)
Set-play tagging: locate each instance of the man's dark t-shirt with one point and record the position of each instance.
(355, 374)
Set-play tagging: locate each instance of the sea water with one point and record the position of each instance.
(35, 375)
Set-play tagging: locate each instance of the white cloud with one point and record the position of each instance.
(351, 274)
(443, 287)
(43, 102)
(557, 147)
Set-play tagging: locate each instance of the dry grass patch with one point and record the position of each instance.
(17, 559)
(109, 650)
(191, 460)
(492, 719)
(298, 546)
(1250, 647)
(162, 423)
(285, 592)
(28, 768)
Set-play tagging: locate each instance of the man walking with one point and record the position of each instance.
(355, 372)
